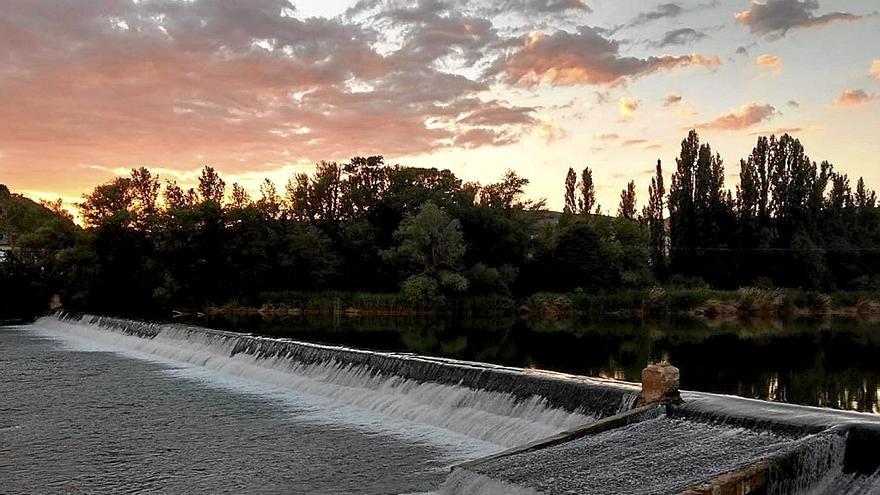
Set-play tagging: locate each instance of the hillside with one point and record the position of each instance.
(22, 217)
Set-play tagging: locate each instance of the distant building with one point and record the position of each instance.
(5, 245)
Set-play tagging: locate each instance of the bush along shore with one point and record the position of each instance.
(700, 303)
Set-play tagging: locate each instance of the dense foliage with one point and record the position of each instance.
(149, 247)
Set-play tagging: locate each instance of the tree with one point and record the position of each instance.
(432, 245)
(240, 197)
(365, 181)
(655, 216)
(270, 203)
(627, 208)
(507, 194)
(212, 189)
(582, 260)
(176, 198)
(108, 202)
(864, 198)
(588, 192)
(700, 213)
(570, 186)
(144, 187)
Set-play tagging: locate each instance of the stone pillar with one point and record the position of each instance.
(659, 383)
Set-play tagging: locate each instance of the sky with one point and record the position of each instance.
(266, 88)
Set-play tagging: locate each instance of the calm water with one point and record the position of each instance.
(831, 363)
(75, 420)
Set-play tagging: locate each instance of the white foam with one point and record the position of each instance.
(492, 418)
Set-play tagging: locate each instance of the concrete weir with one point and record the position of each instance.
(552, 433)
(690, 444)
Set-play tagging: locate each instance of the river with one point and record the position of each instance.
(77, 418)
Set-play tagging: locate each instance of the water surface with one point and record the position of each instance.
(73, 420)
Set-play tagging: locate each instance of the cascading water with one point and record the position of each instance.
(504, 406)
(453, 411)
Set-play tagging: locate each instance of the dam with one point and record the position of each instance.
(107, 405)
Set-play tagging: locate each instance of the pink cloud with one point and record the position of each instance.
(853, 98)
(584, 58)
(746, 116)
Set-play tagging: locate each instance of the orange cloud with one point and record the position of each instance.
(853, 98)
(628, 106)
(746, 116)
(874, 71)
(771, 64)
(549, 130)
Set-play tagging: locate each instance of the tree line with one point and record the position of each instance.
(150, 245)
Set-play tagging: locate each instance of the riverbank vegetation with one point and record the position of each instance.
(792, 236)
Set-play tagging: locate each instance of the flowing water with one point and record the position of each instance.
(102, 405)
(103, 408)
(657, 456)
(828, 363)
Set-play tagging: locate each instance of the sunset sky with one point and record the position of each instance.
(265, 88)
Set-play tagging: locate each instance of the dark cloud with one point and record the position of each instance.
(793, 104)
(409, 11)
(672, 99)
(661, 11)
(775, 18)
(741, 50)
(585, 57)
(683, 36)
(532, 7)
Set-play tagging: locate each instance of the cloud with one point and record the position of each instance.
(634, 142)
(741, 50)
(746, 116)
(874, 71)
(628, 106)
(582, 58)
(531, 7)
(779, 131)
(679, 37)
(775, 18)
(607, 137)
(771, 65)
(793, 104)
(672, 99)
(853, 98)
(662, 11)
(239, 83)
(549, 130)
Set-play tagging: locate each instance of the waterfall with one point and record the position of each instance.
(501, 405)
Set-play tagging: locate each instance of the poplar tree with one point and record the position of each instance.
(627, 207)
(570, 186)
(588, 192)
